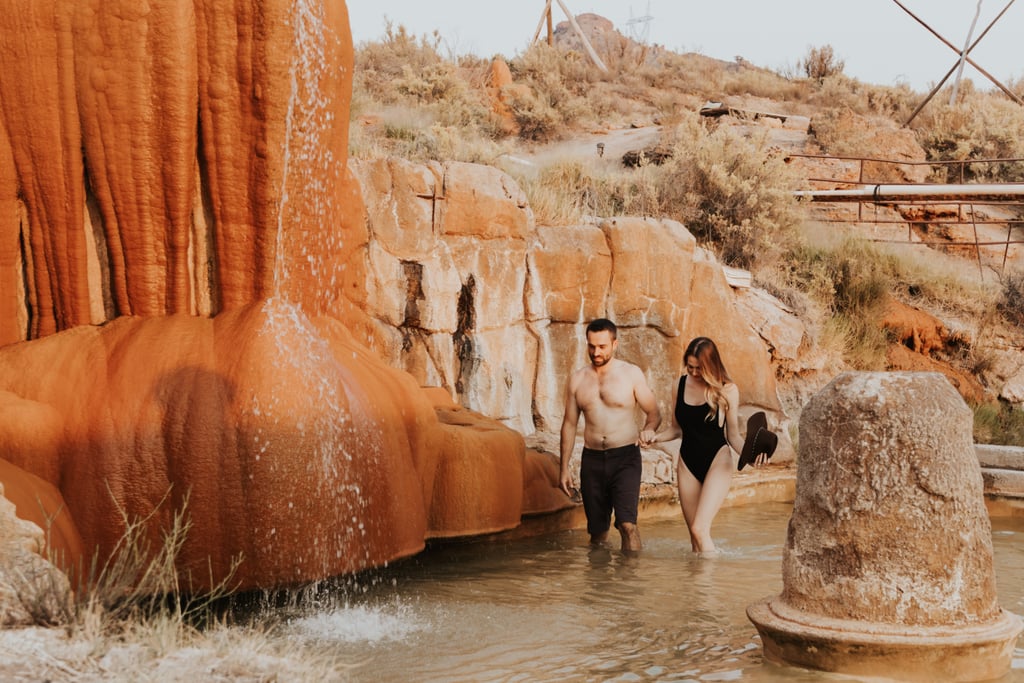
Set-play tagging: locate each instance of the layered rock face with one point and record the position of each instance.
(171, 158)
(466, 292)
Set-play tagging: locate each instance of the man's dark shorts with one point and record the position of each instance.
(610, 481)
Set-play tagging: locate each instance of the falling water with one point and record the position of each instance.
(339, 427)
(309, 114)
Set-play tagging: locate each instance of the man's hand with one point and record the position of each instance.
(647, 437)
(565, 483)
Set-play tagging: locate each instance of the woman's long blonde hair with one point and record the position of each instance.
(704, 351)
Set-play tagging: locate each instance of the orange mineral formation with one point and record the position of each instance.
(182, 260)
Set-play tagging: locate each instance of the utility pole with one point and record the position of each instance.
(546, 17)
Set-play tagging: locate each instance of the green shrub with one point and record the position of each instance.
(1011, 298)
(537, 119)
(853, 280)
(569, 191)
(731, 192)
(983, 126)
(379, 63)
(998, 423)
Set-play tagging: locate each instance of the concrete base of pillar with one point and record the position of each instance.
(977, 652)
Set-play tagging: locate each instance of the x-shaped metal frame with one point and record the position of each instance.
(961, 56)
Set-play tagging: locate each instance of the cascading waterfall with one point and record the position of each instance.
(341, 426)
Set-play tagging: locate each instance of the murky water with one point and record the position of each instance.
(553, 609)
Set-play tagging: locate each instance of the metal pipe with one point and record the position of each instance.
(885, 193)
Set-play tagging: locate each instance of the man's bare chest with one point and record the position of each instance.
(604, 394)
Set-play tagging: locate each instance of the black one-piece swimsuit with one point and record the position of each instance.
(702, 438)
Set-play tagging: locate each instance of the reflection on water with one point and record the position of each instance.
(554, 609)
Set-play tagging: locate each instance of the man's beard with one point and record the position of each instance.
(598, 361)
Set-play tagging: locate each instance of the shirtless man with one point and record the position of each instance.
(608, 392)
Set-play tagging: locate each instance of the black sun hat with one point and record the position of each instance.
(759, 440)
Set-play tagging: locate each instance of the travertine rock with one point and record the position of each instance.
(205, 190)
(295, 447)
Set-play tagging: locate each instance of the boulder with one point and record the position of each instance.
(570, 270)
(33, 591)
(887, 568)
(42, 507)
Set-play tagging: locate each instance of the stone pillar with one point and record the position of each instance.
(887, 568)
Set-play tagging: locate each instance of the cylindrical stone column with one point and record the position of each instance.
(887, 568)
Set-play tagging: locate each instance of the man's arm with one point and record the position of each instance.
(649, 404)
(570, 421)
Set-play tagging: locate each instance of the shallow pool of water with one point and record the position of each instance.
(554, 609)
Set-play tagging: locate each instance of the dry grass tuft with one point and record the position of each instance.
(136, 618)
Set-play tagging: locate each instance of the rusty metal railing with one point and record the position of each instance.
(964, 170)
(963, 203)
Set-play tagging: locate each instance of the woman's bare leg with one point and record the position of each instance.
(689, 495)
(712, 495)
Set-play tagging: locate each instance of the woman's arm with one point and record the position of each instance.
(731, 394)
(673, 431)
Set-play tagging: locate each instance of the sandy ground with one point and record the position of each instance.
(224, 655)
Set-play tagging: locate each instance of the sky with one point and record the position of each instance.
(879, 42)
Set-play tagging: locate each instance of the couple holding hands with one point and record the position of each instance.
(705, 416)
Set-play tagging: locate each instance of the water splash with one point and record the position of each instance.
(360, 624)
(330, 423)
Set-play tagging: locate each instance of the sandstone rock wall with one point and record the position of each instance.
(464, 291)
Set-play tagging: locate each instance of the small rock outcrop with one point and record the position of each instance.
(887, 568)
(503, 92)
(33, 590)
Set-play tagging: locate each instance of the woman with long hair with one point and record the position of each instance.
(706, 416)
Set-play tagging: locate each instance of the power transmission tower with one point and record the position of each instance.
(640, 34)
